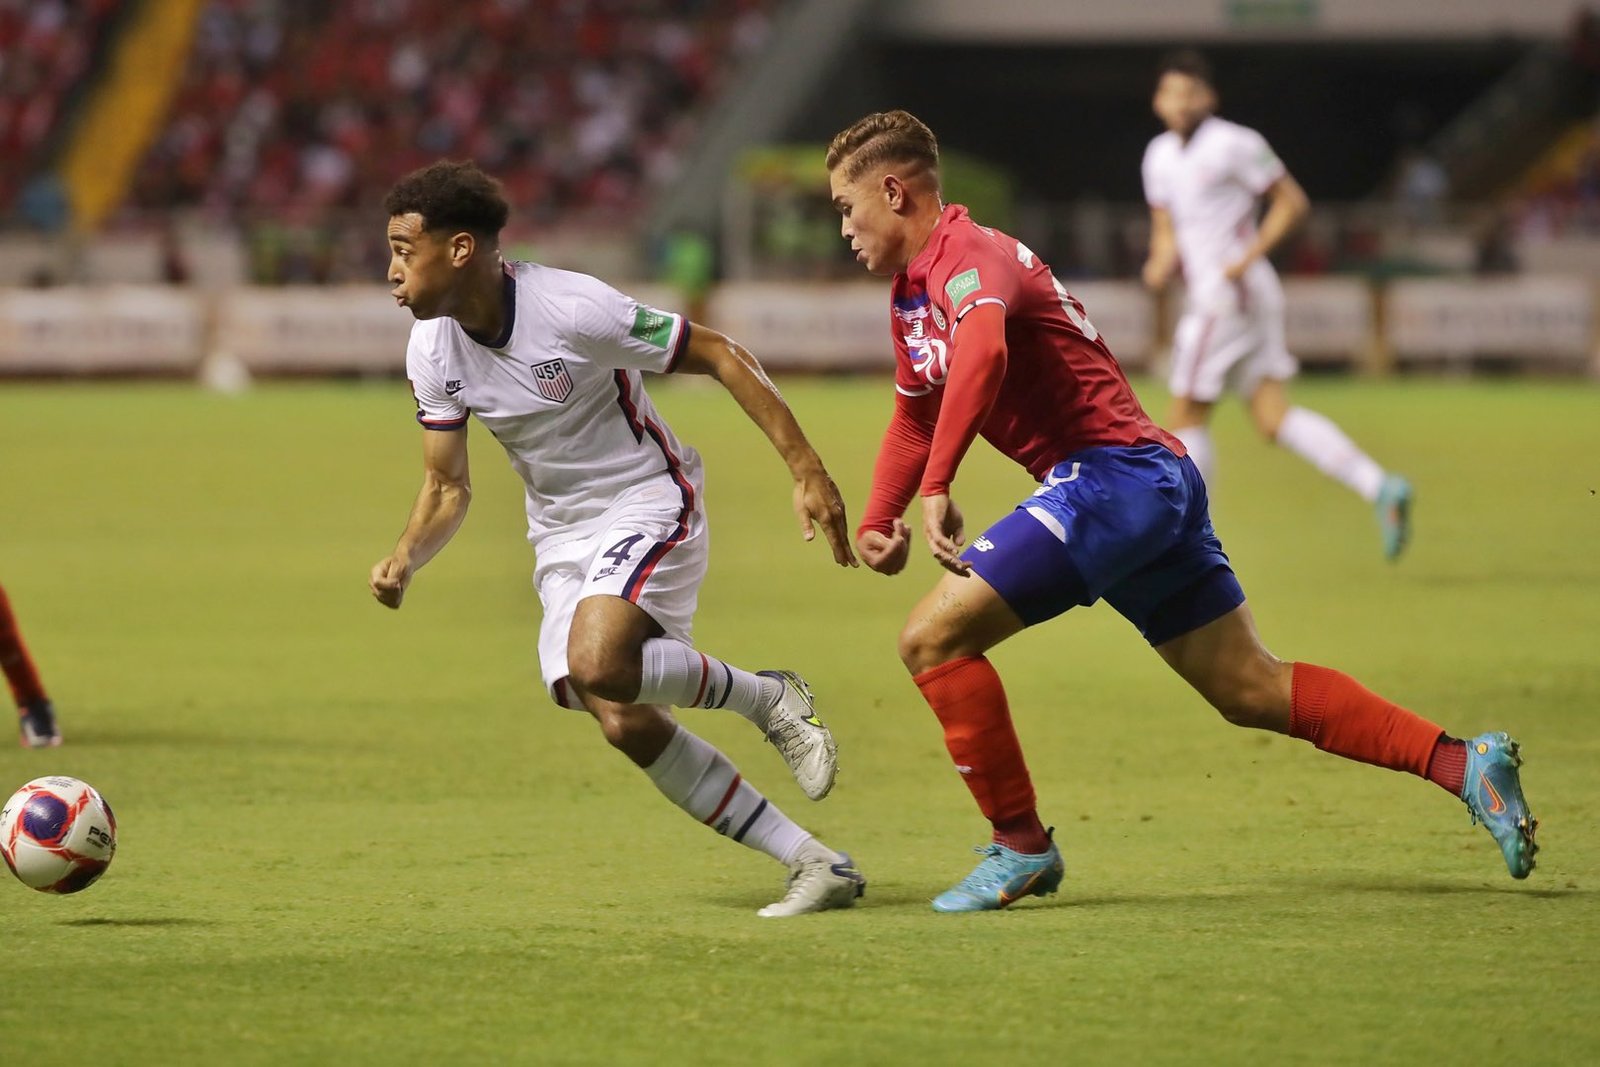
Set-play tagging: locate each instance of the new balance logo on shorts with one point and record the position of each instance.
(983, 544)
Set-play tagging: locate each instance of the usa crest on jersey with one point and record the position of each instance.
(552, 380)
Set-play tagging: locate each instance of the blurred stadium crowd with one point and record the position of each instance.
(294, 116)
(290, 118)
(47, 51)
(295, 107)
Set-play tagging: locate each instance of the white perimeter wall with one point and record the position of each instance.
(1073, 21)
(357, 329)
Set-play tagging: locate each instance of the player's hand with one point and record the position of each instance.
(817, 502)
(886, 553)
(389, 579)
(1236, 271)
(1155, 275)
(944, 529)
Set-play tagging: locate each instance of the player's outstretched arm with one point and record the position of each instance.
(435, 517)
(1162, 263)
(816, 498)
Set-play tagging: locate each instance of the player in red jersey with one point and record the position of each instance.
(36, 716)
(987, 341)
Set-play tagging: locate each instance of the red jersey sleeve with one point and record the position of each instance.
(977, 367)
(901, 458)
(976, 273)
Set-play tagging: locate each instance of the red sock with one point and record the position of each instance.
(1448, 767)
(970, 702)
(14, 659)
(1339, 715)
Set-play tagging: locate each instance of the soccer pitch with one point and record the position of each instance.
(355, 836)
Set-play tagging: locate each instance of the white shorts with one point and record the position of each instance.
(1229, 348)
(649, 551)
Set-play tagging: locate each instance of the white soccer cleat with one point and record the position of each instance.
(820, 879)
(795, 731)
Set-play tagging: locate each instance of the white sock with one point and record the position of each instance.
(1197, 439)
(700, 780)
(1315, 439)
(676, 674)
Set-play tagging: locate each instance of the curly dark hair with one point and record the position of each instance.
(451, 195)
(1186, 61)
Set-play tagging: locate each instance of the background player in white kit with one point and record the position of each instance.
(549, 362)
(1204, 178)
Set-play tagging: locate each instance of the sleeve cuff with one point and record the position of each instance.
(679, 348)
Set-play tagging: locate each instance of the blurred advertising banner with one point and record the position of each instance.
(845, 325)
(1328, 320)
(1541, 317)
(115, 329)
(346, 329)
(823, 326)
(1124, 314)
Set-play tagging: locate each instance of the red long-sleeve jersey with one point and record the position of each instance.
(987, 341)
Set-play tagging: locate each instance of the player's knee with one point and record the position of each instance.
(641, 733)
(615, 728)
(603, 671)
(1255, 700)
(924, 644)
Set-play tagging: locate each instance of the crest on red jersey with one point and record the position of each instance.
(552, 380)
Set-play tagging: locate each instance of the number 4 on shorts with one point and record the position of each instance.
(618, 553)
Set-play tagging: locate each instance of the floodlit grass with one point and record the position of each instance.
(350, 835)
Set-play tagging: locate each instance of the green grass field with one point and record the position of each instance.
(349, 835)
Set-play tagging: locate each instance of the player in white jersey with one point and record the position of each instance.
(1204, 179)
(550, 363)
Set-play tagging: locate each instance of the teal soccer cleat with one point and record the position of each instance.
(1394, 514)
(1002, 878)
(1493, 794)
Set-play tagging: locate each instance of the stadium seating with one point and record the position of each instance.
(47, 51)
(298, 112)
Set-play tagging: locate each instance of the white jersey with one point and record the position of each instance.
(1210, 186)
(561, 391)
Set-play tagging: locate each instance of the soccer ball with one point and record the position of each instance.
(57, 835)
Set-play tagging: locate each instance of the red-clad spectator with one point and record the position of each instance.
(578, 107)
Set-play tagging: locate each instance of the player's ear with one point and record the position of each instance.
(462, 245)
(894, 191)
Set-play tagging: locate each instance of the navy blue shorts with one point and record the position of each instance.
(1127, 524)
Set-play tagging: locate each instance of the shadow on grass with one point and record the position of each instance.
(1435, 888)
(881, 898)
(134, 923)
(122, 738)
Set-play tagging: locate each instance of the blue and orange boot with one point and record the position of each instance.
(1003, 877)
(1394, 515)
(1493, 794)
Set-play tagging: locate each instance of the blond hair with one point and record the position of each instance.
(897, 137)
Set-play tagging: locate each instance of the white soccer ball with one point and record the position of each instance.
(57, 835)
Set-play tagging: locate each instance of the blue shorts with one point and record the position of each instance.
(1127, 524)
